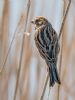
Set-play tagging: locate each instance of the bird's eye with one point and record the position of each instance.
(36, 21)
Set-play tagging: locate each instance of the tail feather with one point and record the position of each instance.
(54, 77)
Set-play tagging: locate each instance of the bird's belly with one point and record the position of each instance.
(41, 51)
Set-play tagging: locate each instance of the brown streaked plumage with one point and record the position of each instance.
(46, 40)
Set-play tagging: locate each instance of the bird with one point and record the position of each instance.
(46, 40)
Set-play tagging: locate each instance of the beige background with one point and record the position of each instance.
(33, 71)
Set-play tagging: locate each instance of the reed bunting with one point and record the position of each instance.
(46, 40)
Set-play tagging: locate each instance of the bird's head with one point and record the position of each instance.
(39, 21)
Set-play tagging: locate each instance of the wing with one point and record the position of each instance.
(52, 48)
(46, 42)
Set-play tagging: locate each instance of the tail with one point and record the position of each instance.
(54, 77)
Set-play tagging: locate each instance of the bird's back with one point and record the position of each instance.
(46, 41)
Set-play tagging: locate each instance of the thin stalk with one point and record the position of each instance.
(60, 63)
(63, 22)
(21, 54)
(4, 63)
(42, 96)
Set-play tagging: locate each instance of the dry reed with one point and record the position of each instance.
(44, 89)
(60, 33)
(21, 54)
(5, 60)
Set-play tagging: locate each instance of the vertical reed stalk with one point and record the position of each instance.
(63, 22)
(60, 33)
(5, 60)
(42, 96)
(21, 54)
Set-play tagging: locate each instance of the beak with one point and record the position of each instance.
(32, 22)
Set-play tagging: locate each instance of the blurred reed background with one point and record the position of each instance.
(23, 70)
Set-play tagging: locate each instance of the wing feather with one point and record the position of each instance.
(46, 42)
